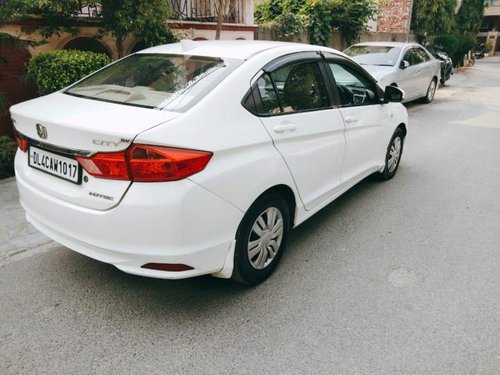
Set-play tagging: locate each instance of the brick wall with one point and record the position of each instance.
(394, 16)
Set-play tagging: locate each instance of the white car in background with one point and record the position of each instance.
(199, 157)
(408, 66)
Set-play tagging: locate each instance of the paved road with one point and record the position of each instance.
(393, 278)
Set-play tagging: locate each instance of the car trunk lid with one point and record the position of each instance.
(61, 127)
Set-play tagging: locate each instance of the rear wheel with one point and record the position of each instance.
(393, 156)
(261, 239)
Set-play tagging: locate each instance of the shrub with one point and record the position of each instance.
(54, 70)
(447, 43)
(8, 149)
(455, 45)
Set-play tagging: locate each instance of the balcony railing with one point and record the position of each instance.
(90, 10)
(207, 10)
(492, 3)
(183, 10)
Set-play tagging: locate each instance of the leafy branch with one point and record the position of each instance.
(316, 17)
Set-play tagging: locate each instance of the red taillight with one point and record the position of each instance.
(145, 163)
(171, 267)
(22, 142)
(112, 165)
(155, 163)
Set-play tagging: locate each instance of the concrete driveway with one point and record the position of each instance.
(400, 277)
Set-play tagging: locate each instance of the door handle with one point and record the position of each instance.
(351, 120)
(283, 128)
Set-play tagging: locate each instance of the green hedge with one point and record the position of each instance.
(8, 149)
(54, 70)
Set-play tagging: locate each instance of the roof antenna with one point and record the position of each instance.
(187, 44)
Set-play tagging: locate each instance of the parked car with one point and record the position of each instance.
(200, 157)
(446, 63)
(408, 66)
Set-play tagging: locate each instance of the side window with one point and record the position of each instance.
(300, 87)
(353, 87)
(268, 97)
(424, 57)
(413, 57)
(408, 56)
(291, 88)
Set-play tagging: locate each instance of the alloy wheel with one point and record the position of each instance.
(431, 91)
(394, 154)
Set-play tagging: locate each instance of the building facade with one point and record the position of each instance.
(191, 19)
(490, 29)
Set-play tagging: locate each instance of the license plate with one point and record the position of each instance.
(55, 164)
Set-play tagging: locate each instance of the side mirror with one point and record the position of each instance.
(404, 64)
(393, 94)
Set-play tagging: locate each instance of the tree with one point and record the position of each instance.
(433, 17)
(146, 19)
(470, 17)
(352, 16)
(55, 16)
(282, 17)
(224, 9)
(318, 17)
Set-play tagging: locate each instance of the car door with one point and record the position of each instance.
(295, 107)
(426, 70)
(367, 132)
(408, 79)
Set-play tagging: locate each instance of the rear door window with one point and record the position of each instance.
(291, 88)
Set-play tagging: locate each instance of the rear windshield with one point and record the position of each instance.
(170, 82)
(374, 55)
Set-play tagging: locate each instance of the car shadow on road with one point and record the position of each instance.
(101, 288)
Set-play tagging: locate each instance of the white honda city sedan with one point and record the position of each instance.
(408, 66)
(200, 157)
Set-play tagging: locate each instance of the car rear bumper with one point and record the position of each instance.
(175, 222)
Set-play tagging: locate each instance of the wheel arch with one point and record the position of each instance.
(403, 128)
(238, 267)
(287, 194)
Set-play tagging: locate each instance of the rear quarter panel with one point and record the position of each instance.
(245, 162)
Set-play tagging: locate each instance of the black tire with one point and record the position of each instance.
(246, 265)
(390, 167)
(431, 92)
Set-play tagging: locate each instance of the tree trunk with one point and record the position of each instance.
(119, 47)
(220, 16)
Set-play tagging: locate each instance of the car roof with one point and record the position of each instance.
(236, 49)
(389, 44)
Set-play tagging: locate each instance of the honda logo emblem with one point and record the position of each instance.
(42, 131)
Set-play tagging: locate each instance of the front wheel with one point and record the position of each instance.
(261, 239)
(393, 156)
(431, 91)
